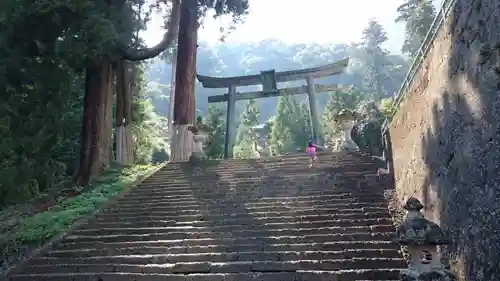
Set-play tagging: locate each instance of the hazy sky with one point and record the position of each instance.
(319, 21)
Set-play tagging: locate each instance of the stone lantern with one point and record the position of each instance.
(347, 120)
(200, 136)
(422, 238)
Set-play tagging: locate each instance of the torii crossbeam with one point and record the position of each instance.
(269, 80)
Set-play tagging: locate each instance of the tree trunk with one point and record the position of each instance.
(106, 147)
(129, 145)
(167, 40)
(96, 135)
(95, 142)
(124, 153)
(172, 101)
(184, 101)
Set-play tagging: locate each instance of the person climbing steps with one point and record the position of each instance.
(311, 151)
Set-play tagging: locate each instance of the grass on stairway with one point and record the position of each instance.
(30, 230)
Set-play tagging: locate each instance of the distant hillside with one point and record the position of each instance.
(251, 58)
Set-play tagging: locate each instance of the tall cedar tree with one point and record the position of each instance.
(417, 15)
(248, 119)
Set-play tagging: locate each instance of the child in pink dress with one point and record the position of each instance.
(311, 152)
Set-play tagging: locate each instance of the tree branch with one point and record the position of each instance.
(169, 38)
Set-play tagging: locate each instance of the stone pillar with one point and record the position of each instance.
(387, 151)
(313, 108)
(421, 237)
(348, 144)
(199, 139)
(347, 119)
(230, 122)
(200, 133)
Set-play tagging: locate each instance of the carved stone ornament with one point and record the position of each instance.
(347, 119)
(200, 136)
(422, 238)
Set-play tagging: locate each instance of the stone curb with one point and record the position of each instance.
(79, 222)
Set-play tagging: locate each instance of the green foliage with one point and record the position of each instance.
(149, 128)
(387, 107)
(160, 97)
(150, 131)
(40, 109)
(348, 99)
(248, 119)
(367, 135)
(376, 61)
(417, 16)
(34, 230)
(374, 36)
(245, 143)
(367, 132)
(215, 120)
(252, 57)
(304, 127)
(290, 129)
(41, 93)
(45, 48)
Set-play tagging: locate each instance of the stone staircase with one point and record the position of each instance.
(272, 219)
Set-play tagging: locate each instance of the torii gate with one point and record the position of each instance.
(269, 80)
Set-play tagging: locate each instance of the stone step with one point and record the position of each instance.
(241, 188)
(158, 264)
(163, 255)
(308, 183)
(302, 275)
(243, 220)
(242, 231)
(253, 204)
(236, 224)
(300, 166)
(362, 197)
(257, 217)
(288, 158)
(280, 169)
(215, 211)
(186, 200)
(223, 209)
(267, 219)
(277, 173)
(253, 174)
(299, 195)
(161, 182)
(183, 248)
(248, 195)
(296, 164)
(181, 239)
(166, 206)
(313, 186)
(276, 170)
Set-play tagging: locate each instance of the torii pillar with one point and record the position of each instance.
(230, 122)
(313, 108)
(269, 79)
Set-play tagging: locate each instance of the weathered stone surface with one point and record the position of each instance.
(235, 220)
(413, 204)
(428, 276)
(417, 230)
(446, 138)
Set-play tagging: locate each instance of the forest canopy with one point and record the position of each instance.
(76, 87)
(71, 74)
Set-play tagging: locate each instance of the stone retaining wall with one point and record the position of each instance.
(446, 138)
